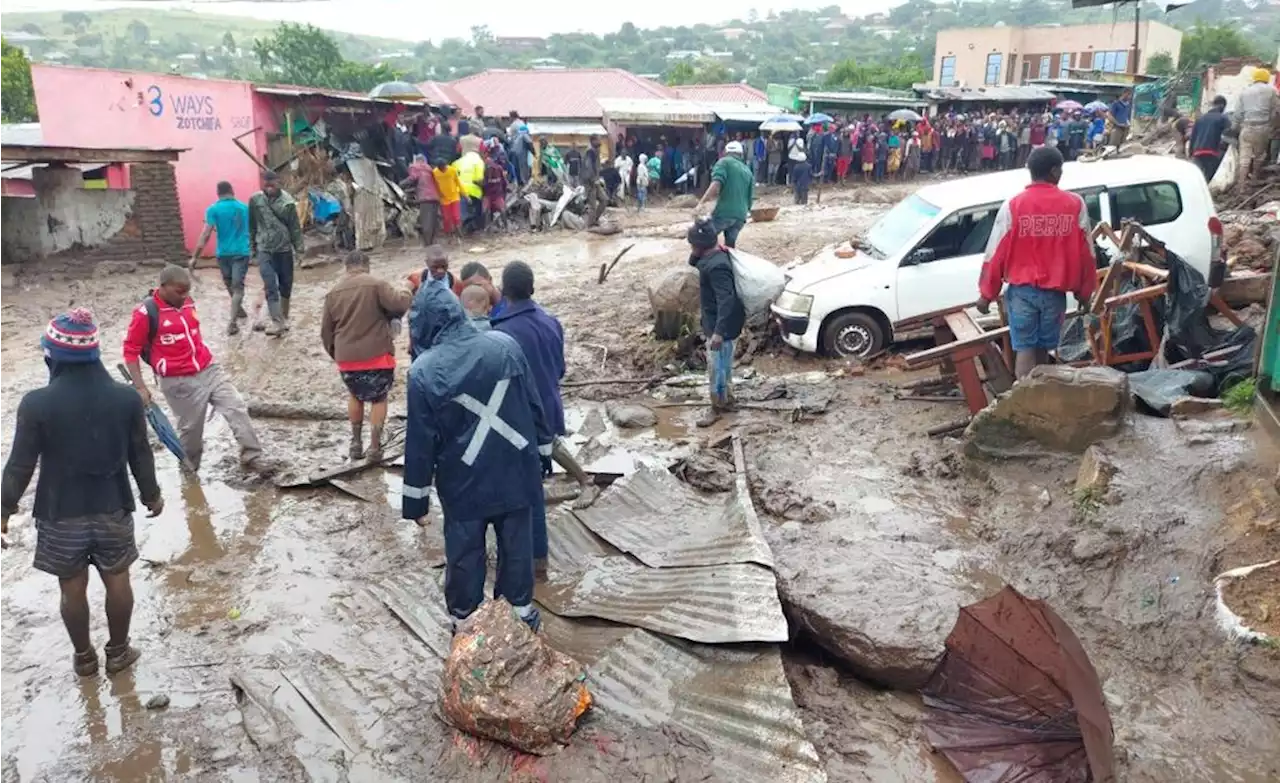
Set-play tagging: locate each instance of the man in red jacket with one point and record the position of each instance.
(166, 334)
(1040, 246)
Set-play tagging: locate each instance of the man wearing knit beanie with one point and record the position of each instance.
(88, 433)
(722, 313)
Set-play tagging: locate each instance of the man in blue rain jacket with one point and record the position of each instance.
(476, 427)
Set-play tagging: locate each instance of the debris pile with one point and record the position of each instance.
(1251, 237)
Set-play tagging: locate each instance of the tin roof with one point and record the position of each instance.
(656, 111)
(863, 98)
(565, 128)
(443, 94)
(991, 94)
(289, 91)
(721, 93)
(572, 93)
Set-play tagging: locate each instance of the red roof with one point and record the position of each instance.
(553, 95)
(439, 93)
(721, 93)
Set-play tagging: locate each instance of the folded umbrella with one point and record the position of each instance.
(160, 425)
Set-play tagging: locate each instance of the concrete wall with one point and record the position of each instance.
(101, 108)
(97, 224)
(971, 45)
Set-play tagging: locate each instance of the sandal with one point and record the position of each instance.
(85, 663)
(120, 657)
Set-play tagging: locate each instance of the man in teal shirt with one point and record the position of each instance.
(229, 217)
(733, 188)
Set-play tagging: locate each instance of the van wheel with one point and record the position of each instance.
(853, 336)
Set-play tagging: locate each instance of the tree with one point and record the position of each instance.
(229, 42)
(77, 21)
(1209, 44)
(849, 74)
(305, 55)
(681, 73)
(17, 96)
(712, 73)
(138, 32)
(1160, 64)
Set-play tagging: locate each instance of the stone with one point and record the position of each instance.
(158, 702)
(674, 299)
(1245, 289)
(1194, 406)
(1064, 408)
(632, 416)
(1096, 470)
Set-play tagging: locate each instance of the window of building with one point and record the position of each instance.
(1111, 62)
(1044, 67)
(994, 61)
(1026, 70)
(1149, 204)
(947, 72)
(1012, 71)
(1064, 63)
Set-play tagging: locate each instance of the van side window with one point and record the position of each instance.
(1093, 202)
(1150, 204)
(962, 234)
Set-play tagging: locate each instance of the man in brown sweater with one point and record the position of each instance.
(356, 330)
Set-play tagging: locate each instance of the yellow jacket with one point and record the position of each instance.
(470, 168)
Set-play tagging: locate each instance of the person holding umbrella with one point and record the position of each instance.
(88, 434)
(166, 334)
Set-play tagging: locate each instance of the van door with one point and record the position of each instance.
(1099, 208)
(1159, 207)
(942, 270)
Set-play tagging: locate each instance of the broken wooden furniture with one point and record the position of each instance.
(1143, 259)
(981, 361)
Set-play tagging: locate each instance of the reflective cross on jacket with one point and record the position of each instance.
(475, 427)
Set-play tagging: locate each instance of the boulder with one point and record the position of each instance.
(673, 296)
(1096, 470)
(632, 416)
(1065, 408)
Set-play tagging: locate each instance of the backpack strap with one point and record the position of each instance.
(153, 324)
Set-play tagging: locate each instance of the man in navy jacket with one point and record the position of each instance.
(475, 426)
(541, 338)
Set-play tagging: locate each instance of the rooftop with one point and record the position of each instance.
(571, 93)
(721, 93)
(39, 152)
(991, 94)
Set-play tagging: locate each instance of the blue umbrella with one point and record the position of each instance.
(160, 425)
(1096, 106)
(814, 119)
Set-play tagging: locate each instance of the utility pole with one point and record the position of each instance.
(1137, 28)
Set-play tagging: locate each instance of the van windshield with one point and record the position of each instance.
(891, 232)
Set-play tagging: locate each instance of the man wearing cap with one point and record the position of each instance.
(722, 314)
(733, 189)
(166, 333)
(275, 235)
(87, 433)
(1257, 113)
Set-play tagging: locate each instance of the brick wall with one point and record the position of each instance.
(154, 229)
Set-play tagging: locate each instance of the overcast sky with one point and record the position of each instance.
(415, 20)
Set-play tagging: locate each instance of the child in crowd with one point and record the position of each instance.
(475, 300)
(642, 181)
(450, 187)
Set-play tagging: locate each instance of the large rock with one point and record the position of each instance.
(673, 296)
(1244, 289)
(1057, 406)
(632, 416)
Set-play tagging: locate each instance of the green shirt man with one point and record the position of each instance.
(733, 188)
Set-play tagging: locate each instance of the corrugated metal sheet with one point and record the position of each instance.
(572, 93)
(873, 99)
(339, 95)
(736, 699)
(726, 93)
(656, 111)
(21, 133)
(993, 94)
(663, 522)
(747, 112)
(712, 604)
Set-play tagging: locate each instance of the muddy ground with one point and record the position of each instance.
(859, 506)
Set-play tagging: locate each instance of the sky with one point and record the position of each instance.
(416, 20)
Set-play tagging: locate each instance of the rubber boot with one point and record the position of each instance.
(277, 326)
(357, 441)
(237, 312)
(120, 656)
(375, 445)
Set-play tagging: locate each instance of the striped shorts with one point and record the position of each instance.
(67, 547)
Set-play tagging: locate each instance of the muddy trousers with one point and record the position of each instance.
(189, 397)
(1255, 143)
(465, 562)
(277, 274)
(429, 222)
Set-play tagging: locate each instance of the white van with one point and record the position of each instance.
(926, 253)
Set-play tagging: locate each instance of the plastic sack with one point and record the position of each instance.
(757, 281)
(502, 682)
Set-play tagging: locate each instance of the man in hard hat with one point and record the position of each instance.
(733, 189)
(1257, 114)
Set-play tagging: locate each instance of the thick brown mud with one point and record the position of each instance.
(263, 615)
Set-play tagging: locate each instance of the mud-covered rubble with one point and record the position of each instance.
(1058, 406)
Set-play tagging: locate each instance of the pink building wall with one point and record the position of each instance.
(95, 107)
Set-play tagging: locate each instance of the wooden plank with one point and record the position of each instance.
(926, 319)
(962, 325)
(1146, 270)
(39, 153)
(1220, 304)
(1150, 292)
(950, 349)
(1110, 279)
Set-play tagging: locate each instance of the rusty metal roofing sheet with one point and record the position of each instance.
(724, 93)
(571, 93)
(664, 522)
(714, 604)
